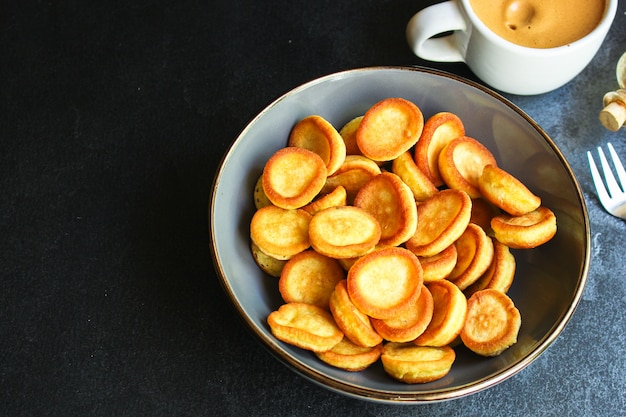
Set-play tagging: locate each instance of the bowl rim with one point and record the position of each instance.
(401, 397)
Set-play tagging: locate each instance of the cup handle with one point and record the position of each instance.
(434, 20)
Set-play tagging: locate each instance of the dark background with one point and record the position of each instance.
(114, 116)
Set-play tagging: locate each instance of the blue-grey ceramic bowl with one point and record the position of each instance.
(549, 280)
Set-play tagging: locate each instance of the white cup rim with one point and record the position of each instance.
(598, 32)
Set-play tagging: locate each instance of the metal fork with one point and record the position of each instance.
(613, 200)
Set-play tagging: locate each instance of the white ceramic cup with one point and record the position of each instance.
(503, 65)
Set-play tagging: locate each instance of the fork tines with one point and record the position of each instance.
(615, 196)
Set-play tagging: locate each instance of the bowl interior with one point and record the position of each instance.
(549, 280)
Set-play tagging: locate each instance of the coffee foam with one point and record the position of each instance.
(540, 23)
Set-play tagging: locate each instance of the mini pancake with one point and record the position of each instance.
(350, 357)
(492, 323)
(500, 273)
(268, 264)
(412, 364)
(309, 277)
(409, 324)
(348, 133)
(389, 128)
(346, 263)
(260, 199)
(391, 202)
(474, 255)
(385, 282)
(439, 130)
(482, 213)
(280, 233)
(292, 177)
(344, 232)
(336, 197)
(354, 324)
(317, 135)
(352, 175)
(441, 220)
(450, 309)
(527, 231)
(422, 187)
(306, 326)
(506, 192)
(439, 266)
(461, 163)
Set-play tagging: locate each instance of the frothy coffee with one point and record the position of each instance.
(540, 23)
